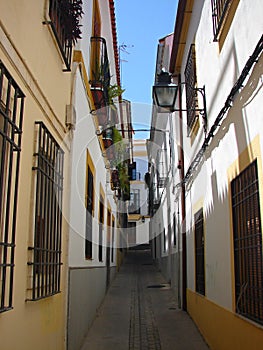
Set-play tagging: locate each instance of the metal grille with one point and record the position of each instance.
(191, 93)
(59, 24)
(219, 12)
(101, 223)
(161, 168)
(164, 240)
(11, 118)
(46, 252)
(99, 65)
(248, 244)
(89, 209)
(174, 230)
(199, 252)
(112, 240)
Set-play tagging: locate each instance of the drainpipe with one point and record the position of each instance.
(183, 225)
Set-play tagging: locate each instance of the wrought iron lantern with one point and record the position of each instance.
(165, 92)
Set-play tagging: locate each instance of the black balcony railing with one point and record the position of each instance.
(99, 72)
(219, 12)
(64, 20)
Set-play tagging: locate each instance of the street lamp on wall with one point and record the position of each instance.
(165, 92)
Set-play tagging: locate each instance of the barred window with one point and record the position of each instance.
(11, 119)
(112, 239)
(199, 252)
(164, 240)
(101, 223)
(89, 211)
(248, 244)
(161, 164)
(219, 12)
(45, 260)
(65, 23)
(174, 230)
(191, 93)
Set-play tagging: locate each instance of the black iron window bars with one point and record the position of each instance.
(11, 119)
(65, 23)
(161, 164)
(191, 93)
(46, 251)
(247, 233)
(199, 252)
(219, 11)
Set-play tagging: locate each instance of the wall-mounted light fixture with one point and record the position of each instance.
(165, 94)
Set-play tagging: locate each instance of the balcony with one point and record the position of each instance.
(99, 77)
(64, 20)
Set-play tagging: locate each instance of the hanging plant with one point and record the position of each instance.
(114, 91)
(70, 20)
(124, 180)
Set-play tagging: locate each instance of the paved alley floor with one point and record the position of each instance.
(139, 313)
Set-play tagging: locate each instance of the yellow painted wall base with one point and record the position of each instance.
(222, 329)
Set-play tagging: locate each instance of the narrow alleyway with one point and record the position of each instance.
(140, 313)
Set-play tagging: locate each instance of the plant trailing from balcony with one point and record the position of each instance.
(114, 91)
(120, 164)
(71, 12)
(124, 180)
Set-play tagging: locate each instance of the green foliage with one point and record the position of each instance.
(72, 12)
(124, 178)
(114, 91)
(116, 136)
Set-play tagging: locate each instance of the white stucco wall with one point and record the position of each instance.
(218, 71)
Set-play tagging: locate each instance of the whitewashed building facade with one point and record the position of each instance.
(218, 45)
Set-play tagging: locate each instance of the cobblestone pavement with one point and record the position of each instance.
(140, 313)
(143, 328)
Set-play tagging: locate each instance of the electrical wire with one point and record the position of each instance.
(228, 104)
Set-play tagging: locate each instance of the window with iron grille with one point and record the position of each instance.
(164, 240)
(248, 244)
(219, 12)
(190, 86)
(89, 210)
(65, 23)
(11, 119)
(101, 223)
(174, 230)
(199, 252)
(112, 239)
(161, 162)
(45, 261)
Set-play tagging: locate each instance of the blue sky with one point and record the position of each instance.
(140, 24)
